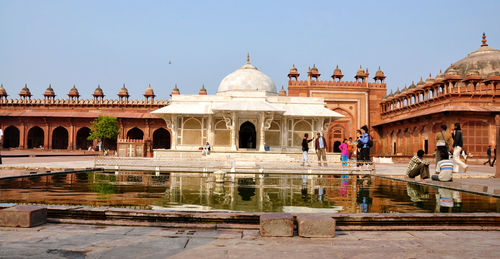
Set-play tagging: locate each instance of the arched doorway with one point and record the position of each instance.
(11, 137)
(135, 133)
(248, 135)
(35, 137)
(60, 138)
(336, 146)
(161, 139)
(81, 138)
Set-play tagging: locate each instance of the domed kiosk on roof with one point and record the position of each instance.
(246, 114)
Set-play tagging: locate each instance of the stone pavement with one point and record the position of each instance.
(92, 241)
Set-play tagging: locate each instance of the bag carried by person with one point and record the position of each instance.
(370, 142)
(442, 143)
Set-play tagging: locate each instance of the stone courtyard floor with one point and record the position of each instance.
(88, 241)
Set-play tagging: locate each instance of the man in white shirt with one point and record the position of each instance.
(320, 146)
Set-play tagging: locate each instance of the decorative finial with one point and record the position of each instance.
(248, 57)
(149, 85)
(484, 40)
(203, 87)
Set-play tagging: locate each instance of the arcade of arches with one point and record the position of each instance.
(61, 134)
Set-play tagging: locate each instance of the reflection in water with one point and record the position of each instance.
(255, 192)
(448, 200)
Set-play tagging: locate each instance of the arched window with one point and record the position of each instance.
(273, 135)
(475, 137)
(135, 133)
(222, 134)
(161, 139)
(299, 128)
(191, 131)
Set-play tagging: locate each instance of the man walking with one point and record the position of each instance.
(458, 144)
(488, 152)
(418, 166)
(495, 156)
(443, 142)
(320, 146)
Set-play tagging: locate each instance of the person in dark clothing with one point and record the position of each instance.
(458, 144)
(305, 149)
(365, 147)
(495, 156)
(488, 152)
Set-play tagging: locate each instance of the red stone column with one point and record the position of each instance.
(497, 122)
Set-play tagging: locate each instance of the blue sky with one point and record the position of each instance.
(114, 42)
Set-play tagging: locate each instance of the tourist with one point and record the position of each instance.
(305, 149)
(344, 152)
(444, 169)
(443, 142)
(350, 147)
(206, 149)
(365, 145)
(357, 149)
(99, 146)
(494, 157)
(320, 146)
(488, 153)
(457, 149)
(418, 166)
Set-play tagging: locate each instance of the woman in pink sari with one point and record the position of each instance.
(344, 152)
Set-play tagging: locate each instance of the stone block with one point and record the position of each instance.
(276, 225)
(310, 225)
(24, 216)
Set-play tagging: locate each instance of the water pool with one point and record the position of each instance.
(249, 193)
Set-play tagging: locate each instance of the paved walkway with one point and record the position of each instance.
(88, 241)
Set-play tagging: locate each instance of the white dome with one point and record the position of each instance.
(247, 79)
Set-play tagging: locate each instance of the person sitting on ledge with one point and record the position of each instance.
(444, 169)
(418, 166)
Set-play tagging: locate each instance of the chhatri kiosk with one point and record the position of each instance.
(245, 115)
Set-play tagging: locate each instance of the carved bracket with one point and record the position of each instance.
(170, 122)
(268, 120)
(228, 120)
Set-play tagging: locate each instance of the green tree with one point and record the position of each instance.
(104, 128)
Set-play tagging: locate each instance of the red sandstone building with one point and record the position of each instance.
(401, 122)
(466, 93)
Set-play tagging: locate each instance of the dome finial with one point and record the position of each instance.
(248, 57)
(484, 40)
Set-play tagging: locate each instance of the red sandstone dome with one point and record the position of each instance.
(282, 91)
(379, 75)
(484, 60)
(313, 72)
(202, 91)
(293, 72)
(98, 92)
(74, 92)
(25, 92)
(49, 92)
(149, 92)
(123, 92)
(3, 93)
(337, 73)
(175, 90)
